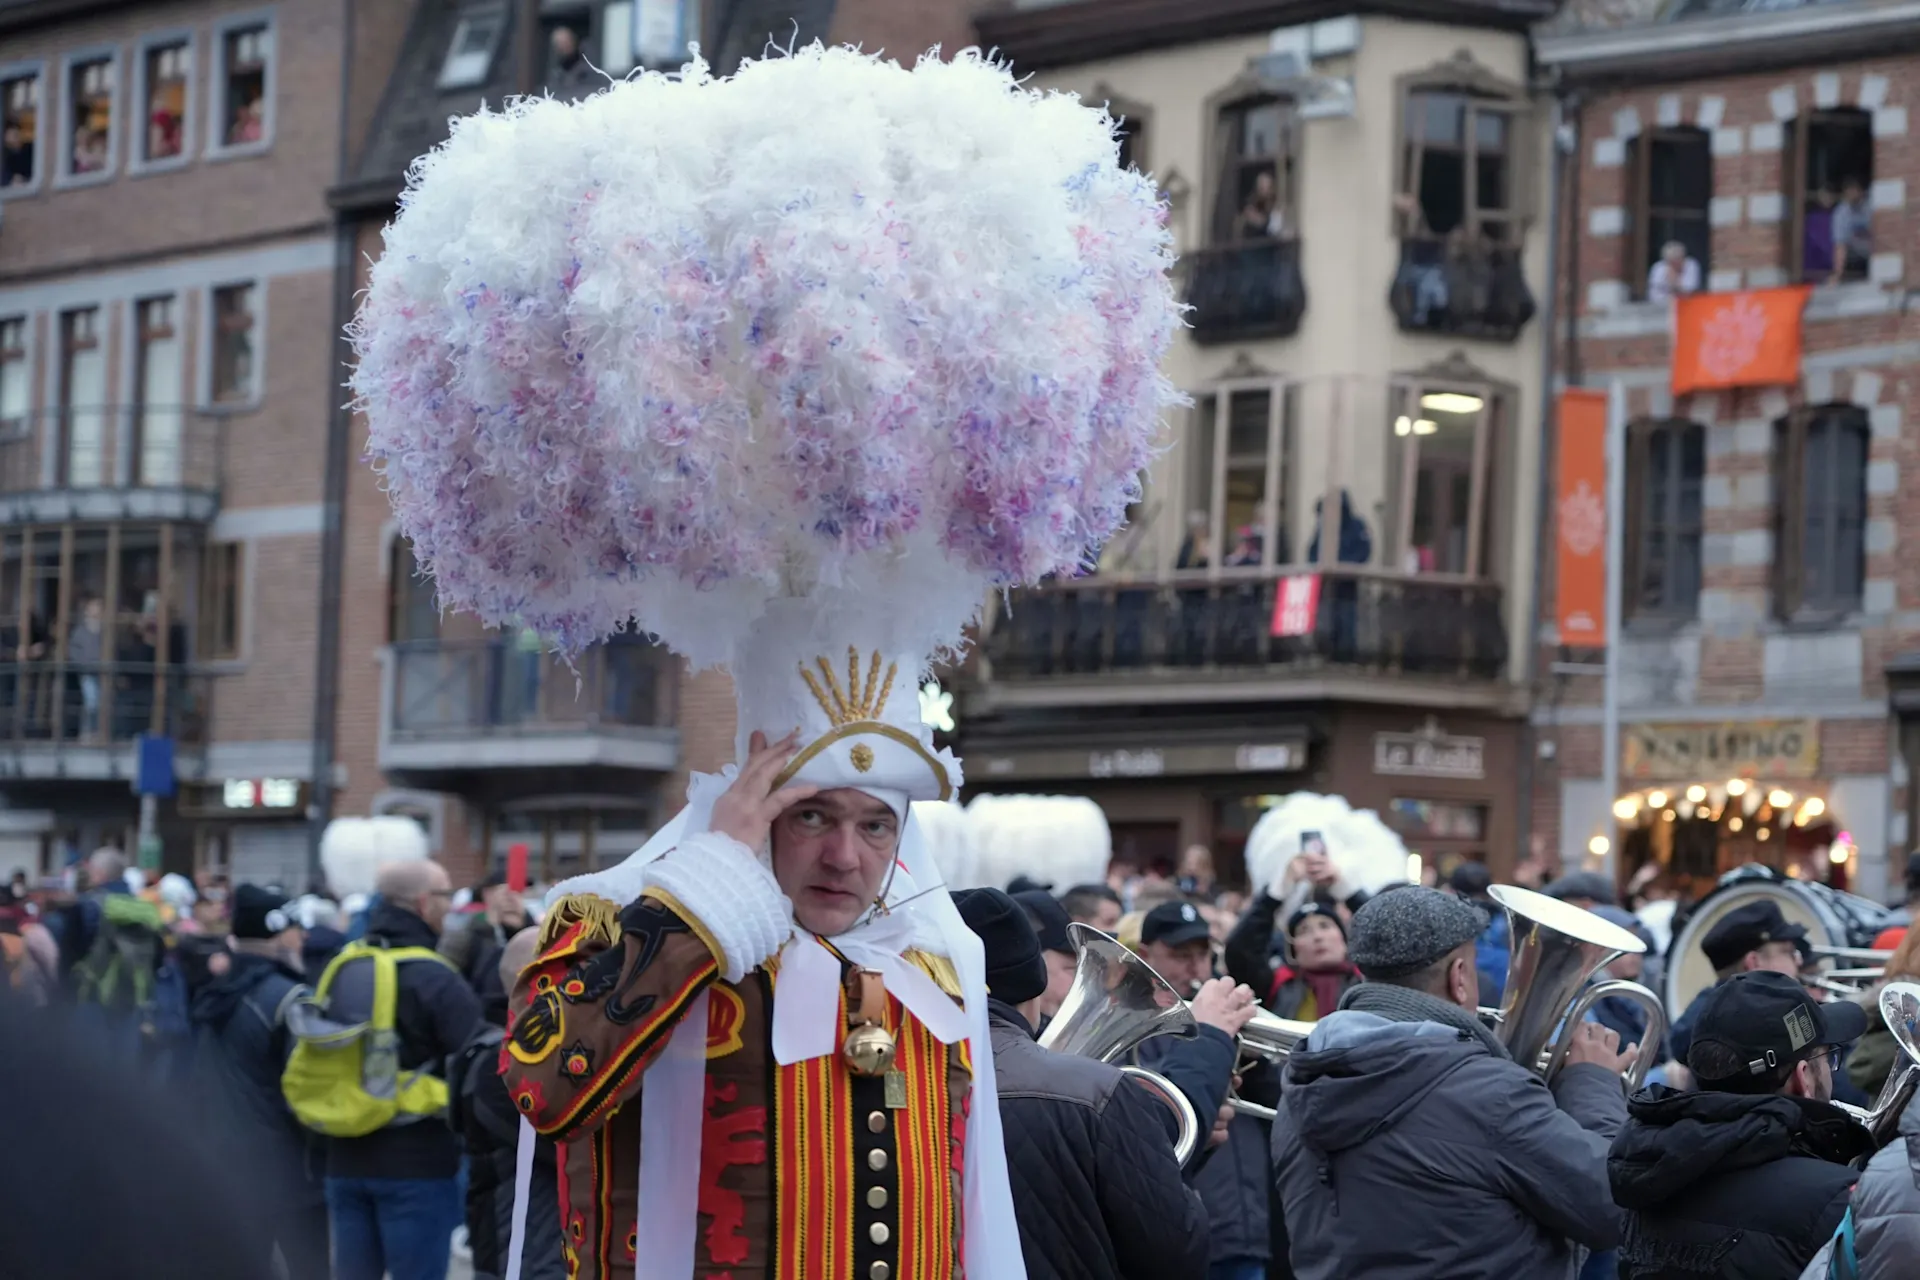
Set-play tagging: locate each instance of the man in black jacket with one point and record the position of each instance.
(486, 1118)
(394, 1195)
(1750, 1175)
(239, 1016)
(1096, 1190)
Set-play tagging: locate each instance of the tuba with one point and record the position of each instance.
(1117, 1002)
(1556, 947)
(1900, 1006)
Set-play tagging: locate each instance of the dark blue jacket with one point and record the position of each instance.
(1232, 1179)
(244, 1043)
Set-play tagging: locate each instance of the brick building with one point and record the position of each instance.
(167, 388)
(1355, 196)
(1770, 583)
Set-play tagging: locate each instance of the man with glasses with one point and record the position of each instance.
(1752, 1173)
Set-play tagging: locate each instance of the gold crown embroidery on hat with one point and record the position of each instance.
(843, 708)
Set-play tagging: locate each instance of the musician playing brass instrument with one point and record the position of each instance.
(1409, 1144)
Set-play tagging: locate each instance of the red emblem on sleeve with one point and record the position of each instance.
(736, 1138)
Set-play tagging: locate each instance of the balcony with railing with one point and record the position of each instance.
(1243, 292)
(1461, 289)
(1104, 639)
(79, 721)
(111, 462)
(459, 710)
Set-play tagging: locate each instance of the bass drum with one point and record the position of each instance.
(1832, 919)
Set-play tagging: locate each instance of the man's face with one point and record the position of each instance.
(1186, 966)
(1318, 944)
(438, 899)
(831, 856)
(1776, 957)
(1106, 916)
(1060, 967)
(1627, 967)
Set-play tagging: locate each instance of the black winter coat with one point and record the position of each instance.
(1233, 1178)
(1096, 1191)
(437, 1014)
(1727, 1184)
(485, 1117)
(243, 1047)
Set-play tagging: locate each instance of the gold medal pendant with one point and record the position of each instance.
(869, 1045)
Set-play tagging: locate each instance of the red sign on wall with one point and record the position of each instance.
(1296, 605)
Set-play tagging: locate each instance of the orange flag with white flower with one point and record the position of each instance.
(1748, 338)
(1580, 518)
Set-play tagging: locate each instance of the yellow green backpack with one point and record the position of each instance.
(343, 1078)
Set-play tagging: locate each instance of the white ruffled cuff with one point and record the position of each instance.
(732, 895)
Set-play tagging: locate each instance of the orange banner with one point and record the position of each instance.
(1580, 518)
(1745, 339)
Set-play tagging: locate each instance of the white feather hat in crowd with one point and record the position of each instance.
(352, 850)
(1057, 840)
(949, 836)
(1367, 853)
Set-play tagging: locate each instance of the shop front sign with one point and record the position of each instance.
(1281, 755)
(1429, 753)
(1686, 752)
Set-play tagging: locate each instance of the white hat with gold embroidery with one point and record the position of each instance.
(856, 706)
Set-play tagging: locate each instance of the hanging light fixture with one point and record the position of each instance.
(1736, 786)
(1656, 799)
(1735, 823)
(1696, 793)
(1451, 402)
(1780, 799)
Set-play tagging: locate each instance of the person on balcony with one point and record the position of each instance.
(1356, 547)
(1852, 232)
(1675, 275)
(1422, 277)
(1261, 217)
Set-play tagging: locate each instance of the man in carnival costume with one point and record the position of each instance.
(795, 400)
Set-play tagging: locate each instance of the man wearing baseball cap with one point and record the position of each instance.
(1410, 1145)
(1754, 936)
(1752, 1170)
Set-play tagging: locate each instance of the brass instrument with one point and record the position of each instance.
(1117, 1002)
(1900, 1006)
(1556, 948)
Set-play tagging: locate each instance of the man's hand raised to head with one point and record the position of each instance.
(746, 812)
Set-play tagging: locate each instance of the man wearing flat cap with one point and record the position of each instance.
(1409, 1145)
(1751, 938)
(1096, 1188)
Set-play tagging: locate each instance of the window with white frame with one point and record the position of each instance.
(166, 70)
(470, 54)
(1239, 486)
(158, 415)
(16, 377)
(1440, 453)
(20, 130)
(235, 372)
(90, 98)
(243, 85)
(81, 457)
